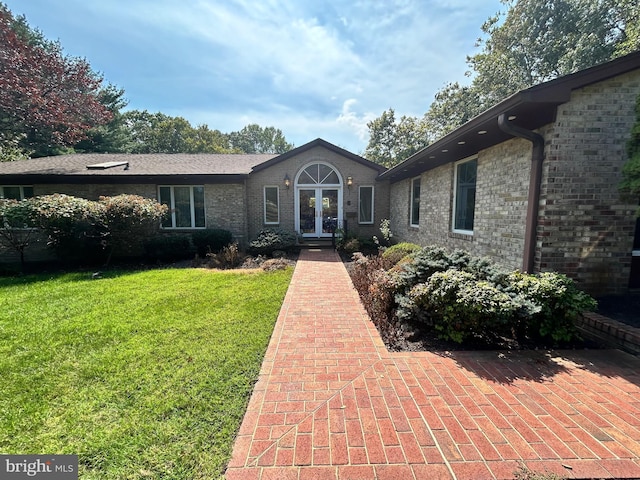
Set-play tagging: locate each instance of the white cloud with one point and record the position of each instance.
(313, 69)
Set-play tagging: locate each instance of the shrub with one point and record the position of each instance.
(463, 297)
(458, 306)
(397, 252)
(551, 303)
(271, 239)
(227, 257)
(129, 220)
(16, 225)
(375, 287)
(169, 247)
(75, 226)
(211, 240)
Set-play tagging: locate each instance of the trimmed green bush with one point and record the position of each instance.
(272, 239)
(211, 240)
(75, 226)
(397, 252)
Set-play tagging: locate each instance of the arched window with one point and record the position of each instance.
(318, 174)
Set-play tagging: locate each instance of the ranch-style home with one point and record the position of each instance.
(531, 183)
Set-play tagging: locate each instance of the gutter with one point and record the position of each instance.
(535, 179)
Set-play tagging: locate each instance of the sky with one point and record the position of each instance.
(312, 68)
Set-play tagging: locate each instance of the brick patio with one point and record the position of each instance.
(332, 403)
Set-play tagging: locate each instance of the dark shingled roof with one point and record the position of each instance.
(139, 164)
(131, 168)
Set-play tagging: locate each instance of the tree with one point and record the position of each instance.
(47, 99)
(532, 42)
(391, 142)
(255, 139)
(112, 137)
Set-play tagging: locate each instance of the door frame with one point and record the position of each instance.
(318, 187)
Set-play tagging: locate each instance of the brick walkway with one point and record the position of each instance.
(332, 403)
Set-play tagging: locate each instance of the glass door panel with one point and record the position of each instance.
(329, 210)
(307, 211)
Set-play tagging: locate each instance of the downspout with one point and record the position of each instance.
(535, 179)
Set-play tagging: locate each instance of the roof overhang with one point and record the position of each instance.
(530, 109)
(49, 179)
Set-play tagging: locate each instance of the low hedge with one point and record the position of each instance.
(463, 297)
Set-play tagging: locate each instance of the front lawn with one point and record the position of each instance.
(142, 374)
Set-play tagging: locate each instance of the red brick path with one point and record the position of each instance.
(332, 403)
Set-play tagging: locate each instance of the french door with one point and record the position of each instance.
(318, 212)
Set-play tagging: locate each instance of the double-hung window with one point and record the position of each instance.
(365, 204)
(16, 192)
(271, 205)
(464, 200)
(186, 206)
(414, 214)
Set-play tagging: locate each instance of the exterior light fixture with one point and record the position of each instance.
(287, 181)
(349, 181)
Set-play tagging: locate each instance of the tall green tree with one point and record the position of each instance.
(392, 141)
(112, 137)
(532, 41)
(255, 139)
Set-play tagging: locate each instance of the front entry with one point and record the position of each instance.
(318, 200)
(318, 211)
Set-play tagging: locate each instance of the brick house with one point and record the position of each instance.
(531, 183)
(306, 190)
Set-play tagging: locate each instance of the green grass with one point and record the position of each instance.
(143, 375)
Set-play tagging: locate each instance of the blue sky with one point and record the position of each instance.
(313, 68)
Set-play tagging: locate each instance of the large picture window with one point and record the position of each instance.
(415, 202)
(186, 206)
(464, 201)
(16, 192)
(365, 204)
(271, 205)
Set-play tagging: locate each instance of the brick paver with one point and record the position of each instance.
(332, 403)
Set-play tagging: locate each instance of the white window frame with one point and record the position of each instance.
(411, 198)
(192, 208)
(264, 203)
(21, 187)
(373, 202)
(455, 195)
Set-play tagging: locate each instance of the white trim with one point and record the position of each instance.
(308, 186)
(419, 178)
(373, 197)
(264, 204)
(192, 207)
(455, 190)
(635, 253)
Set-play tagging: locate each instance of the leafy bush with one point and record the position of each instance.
(397, 252)
(376, 287)
(272, 239)
(75, 226)
(129, 220)
(458, 306)
(211, 240)
(551, 302)
(463, 297)
(169, 247)
(16, 224)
